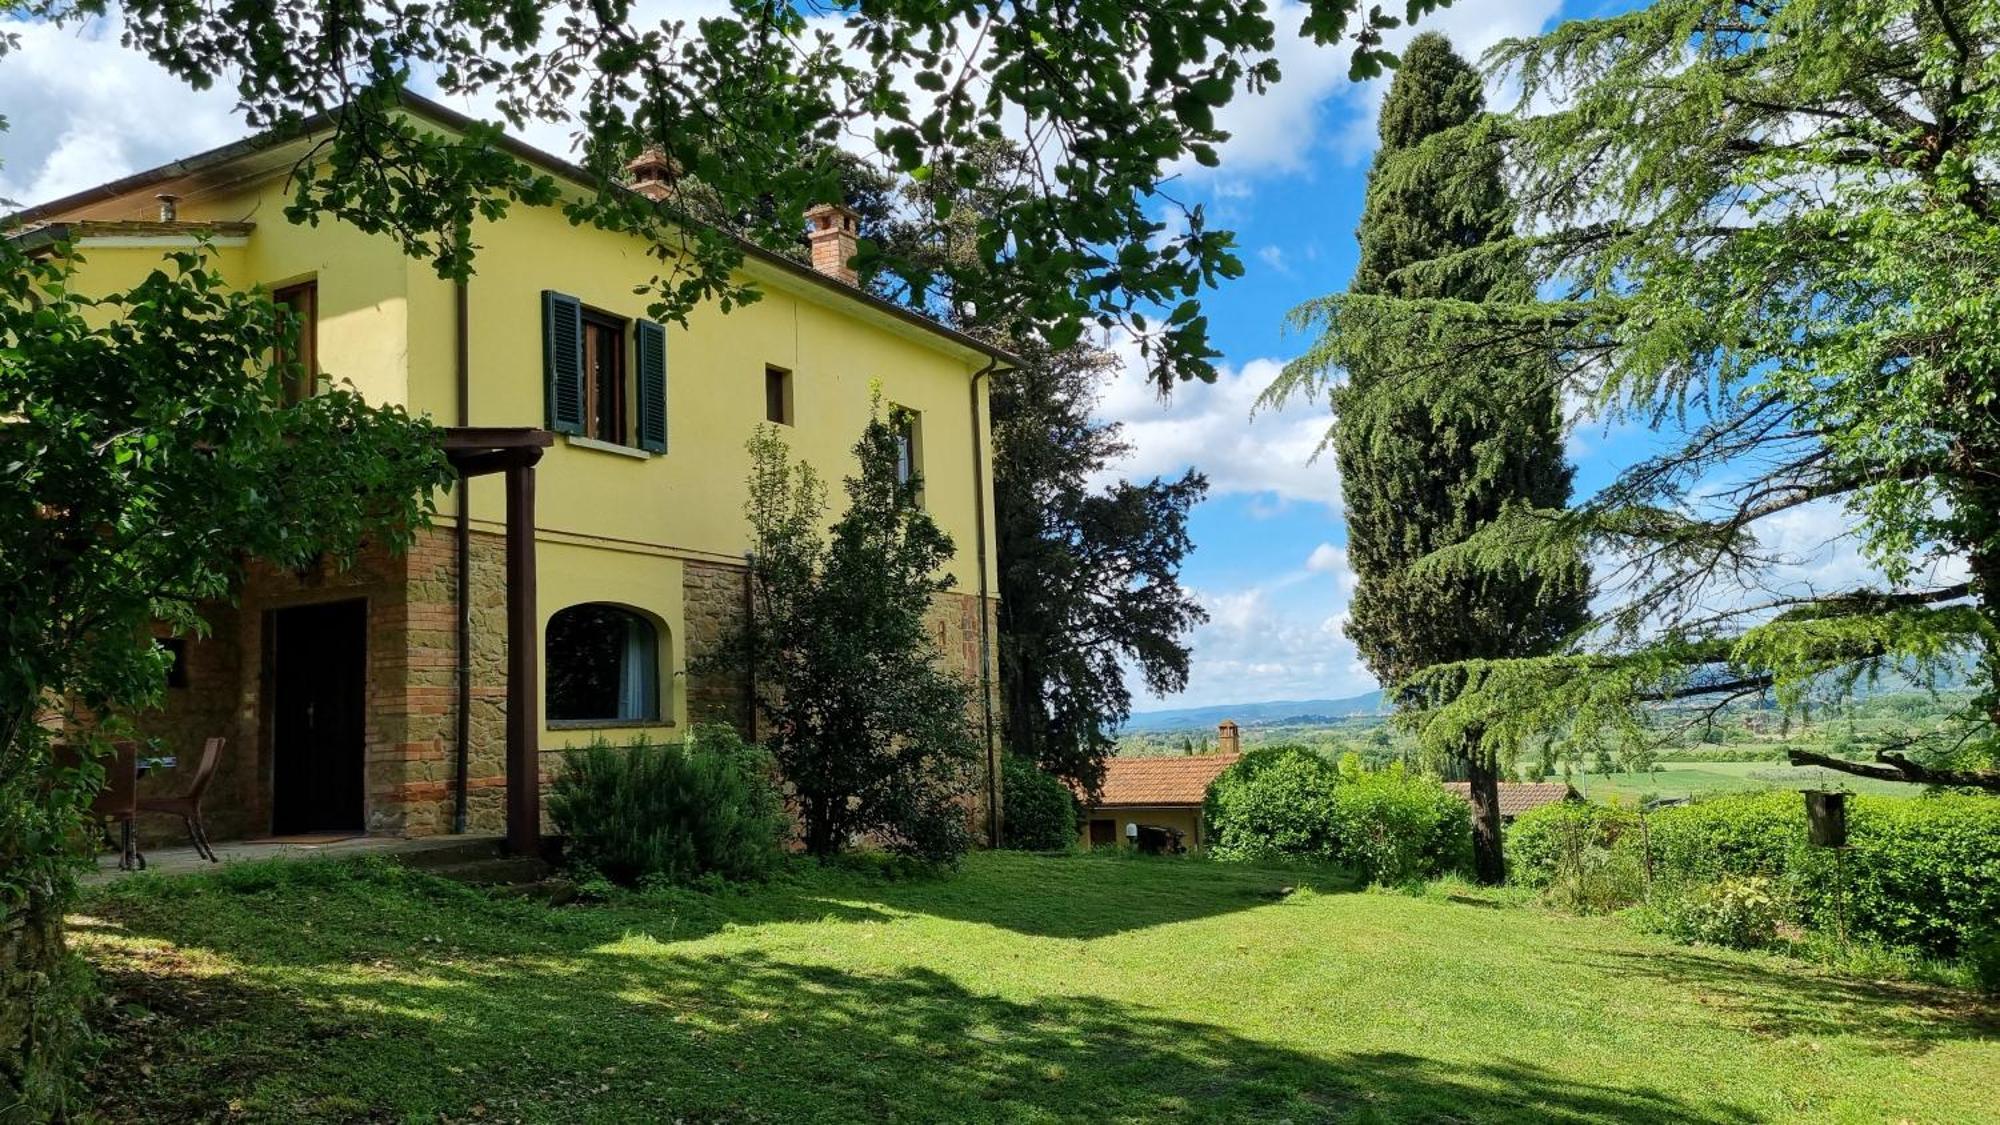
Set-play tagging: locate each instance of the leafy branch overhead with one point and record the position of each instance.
(1767, 230)
(1110, 100)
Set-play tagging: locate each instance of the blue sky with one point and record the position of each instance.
(1270, 562)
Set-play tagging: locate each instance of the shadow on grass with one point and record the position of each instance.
(1064, 896)
(642, 1034)
(1082, 897)
(1777, 998)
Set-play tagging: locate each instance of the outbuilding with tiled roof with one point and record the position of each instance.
(1517, 797)
(1148, 801)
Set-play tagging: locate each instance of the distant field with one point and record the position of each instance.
(1689, 779)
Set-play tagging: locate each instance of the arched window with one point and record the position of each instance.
(603, 665)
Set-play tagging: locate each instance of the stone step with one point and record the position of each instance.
(493, 871)
(430, 855)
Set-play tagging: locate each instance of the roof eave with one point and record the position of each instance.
(548, 162)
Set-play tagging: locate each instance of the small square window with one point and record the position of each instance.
(778, 396)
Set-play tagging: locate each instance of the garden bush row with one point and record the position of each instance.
(1919, 872)
(1287, 802)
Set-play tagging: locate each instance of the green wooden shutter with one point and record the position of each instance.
(652, 349)
(562, 361)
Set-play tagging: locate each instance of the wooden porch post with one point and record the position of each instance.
(476, 451)
(524, 776)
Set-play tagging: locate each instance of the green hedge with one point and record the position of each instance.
(1040, 812)
(703, 809)
(1290, 802)
(1275, 802)
(1543, 843)
(1393, 827)
(1919, 872)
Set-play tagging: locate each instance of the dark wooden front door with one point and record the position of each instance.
(318, 682)
(1103, 832)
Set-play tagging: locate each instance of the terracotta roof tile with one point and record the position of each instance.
(1517, 797)
(1179, 780)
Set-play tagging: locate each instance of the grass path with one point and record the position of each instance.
(1025, 989)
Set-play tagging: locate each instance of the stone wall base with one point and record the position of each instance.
(412, 685)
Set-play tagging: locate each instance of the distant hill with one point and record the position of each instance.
(1255, 714)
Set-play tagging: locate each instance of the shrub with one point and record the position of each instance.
(674, 812)
(1276, 801)
(1573, 852)
(1597, 880)
(1040, 811)
(1738, 911)
(1921, 872)
(1732, 834)
(1982, 956)
(1392, 827)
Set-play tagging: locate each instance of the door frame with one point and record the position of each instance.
(267, 696)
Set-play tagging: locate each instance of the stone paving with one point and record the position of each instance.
(183, 860)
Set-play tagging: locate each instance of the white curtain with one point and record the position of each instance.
(639, 679)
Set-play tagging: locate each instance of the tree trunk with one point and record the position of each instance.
(1488, 867)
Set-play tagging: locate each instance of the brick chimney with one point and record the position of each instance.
(1225, 737)
(831, 229)
(652, 173)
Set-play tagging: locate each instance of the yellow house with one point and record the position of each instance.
(380, 699)
(1155, 804)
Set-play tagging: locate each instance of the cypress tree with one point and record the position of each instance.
(1420, 472)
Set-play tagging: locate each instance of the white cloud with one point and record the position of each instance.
(82, 109)
(1329, 559)
(1260, 643)
(1209, 426)
(1472, 29)
(1315, 106)
(1274, 257)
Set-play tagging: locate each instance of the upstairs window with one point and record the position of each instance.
(596, 383)
(778, 396)
(302, 302)
(604, 378)
(908, 426)
(603, 666)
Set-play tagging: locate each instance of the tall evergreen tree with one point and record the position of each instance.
(1768, 231)
(1089, 573)
(1421, 473)
(1089, 576)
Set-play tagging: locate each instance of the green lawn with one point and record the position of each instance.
(1024, 989)
(1694, 779)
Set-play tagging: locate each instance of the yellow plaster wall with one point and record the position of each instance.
(364, 325)
(691, 498)
(612, 527)
(1188, 820)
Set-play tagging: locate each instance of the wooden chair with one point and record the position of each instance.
(118, 801)
(188, 806)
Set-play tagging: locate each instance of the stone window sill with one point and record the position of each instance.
(609, 724)
(607, 447)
